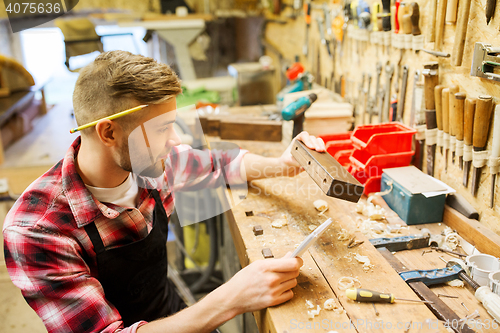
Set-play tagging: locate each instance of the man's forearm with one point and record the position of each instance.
(257, 167)
(204, 316)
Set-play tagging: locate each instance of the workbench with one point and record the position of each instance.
(329, 259)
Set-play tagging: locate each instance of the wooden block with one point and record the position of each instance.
(257, 130)
(267, 253)
(257, 230)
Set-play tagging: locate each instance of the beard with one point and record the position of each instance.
(142, 165)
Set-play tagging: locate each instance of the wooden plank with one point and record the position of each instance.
(257, 130)
(473, 232)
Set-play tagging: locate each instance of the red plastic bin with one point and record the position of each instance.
(365, 165)
(385, 138)
(339, 146)
(372, 185)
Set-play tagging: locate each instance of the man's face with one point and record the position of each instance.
(147, 146)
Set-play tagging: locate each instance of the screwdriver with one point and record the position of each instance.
(365, 295)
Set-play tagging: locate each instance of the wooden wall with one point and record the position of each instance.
(361, 57)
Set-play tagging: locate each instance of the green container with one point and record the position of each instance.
(411, 206)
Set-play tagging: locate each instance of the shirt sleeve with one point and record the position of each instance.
(191, 169)
(56, 282)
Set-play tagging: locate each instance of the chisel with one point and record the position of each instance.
(460, 33)
(432, 28)
(479, 136)
(494, 162)
(402, 98)
(431, 80)
(439, 115)
(452, 110)
(445, 101)
(440, 17)
(459, 126)
(469, 109)
(307, 14)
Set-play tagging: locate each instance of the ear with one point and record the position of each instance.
(107, 132)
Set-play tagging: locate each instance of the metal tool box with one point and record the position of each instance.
(406, 187)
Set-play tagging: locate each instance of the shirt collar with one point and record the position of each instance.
(83, 205)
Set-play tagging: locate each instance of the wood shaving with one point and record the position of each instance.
(322, 212)
(343, 235)
(365, 261)
(456, 283)
(330, 304)
(312, 227)
(374, 212)
(339, 311)
(309, 304)
(314, 313)
(279, 223)
(347, 282)
(320, 205)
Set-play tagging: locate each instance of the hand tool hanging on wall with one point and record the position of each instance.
(439, 115)
(416, 121)
(377, 97)
(359, 105)
(482, 117)
(460, 33)
(329, 31)
(405, 12)
(415, 17)
(452, 110)
(490, 10)
(389, 72)
(440, 17)
(324, 40)
(445, 106)
(484, 62)
(297, 5)
(368, 101)
(431, 80)
(469, 110)
(436, 53)
(494, 160)
(459, 126)
(307, 17)
(431, 36)
(386, 15)
(395, 13)
(402, 98)
(451, 11)
(375, 12)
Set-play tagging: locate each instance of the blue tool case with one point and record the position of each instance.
(406, 198)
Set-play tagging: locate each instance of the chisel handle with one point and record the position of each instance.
(469, 110)
(445, 106)
(460, 33)
(495, 146)
(431, 80)
(440, 16)
(439, 106)
(482, 121)
(459, 115)
(365, 295)
(415, 17)
(452, 106)
(451, 11)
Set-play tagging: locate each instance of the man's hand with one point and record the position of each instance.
(290, 166)
(263, 283)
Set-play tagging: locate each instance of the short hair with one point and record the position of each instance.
(118, 80)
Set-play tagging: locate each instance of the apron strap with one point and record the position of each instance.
(91, 230)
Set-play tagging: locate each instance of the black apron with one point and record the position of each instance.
(134, 276)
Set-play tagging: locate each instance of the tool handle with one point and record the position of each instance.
(445, 105)
(386, 18)
(430, 82)
(451, 11)
(432, 28)
(490, 10)
(397, 4)
(482, 121)
(452, 109)
(415, 17)
(307, 12)
(441, 13)
(495, 146)
(406, 23)
(469, 109)
(460, 33)
(365, 295)
(439, 106)
(459, 115)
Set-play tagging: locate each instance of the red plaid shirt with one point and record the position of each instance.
(49, 255)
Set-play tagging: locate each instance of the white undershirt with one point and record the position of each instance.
(124, 195)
